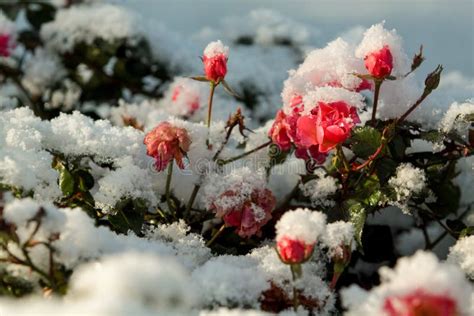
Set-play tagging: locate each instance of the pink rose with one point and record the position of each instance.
(379, 63)
(247, 216)
(420, 303)
(281, 131)
(215, 67)
(293, 251)
(6, 45)
(165, 143)
(329, 126)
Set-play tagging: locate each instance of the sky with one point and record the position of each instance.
(444, 27)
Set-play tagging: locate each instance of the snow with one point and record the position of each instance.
(87, 23)
(320, 189)
(338, 234)
(421, 271)
(461, 255)
(301, 224)
(375, 38)
(216, 48)
(407, 182)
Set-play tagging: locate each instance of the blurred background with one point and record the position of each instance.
(444, 27)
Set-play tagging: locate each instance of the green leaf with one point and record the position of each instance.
(447, 201)
(66, 182)
(385, 168)
(468, 231)
(40, 13)
(365, 141)
(357, 216)
(433, 136)
(398, 147)
(85, 179)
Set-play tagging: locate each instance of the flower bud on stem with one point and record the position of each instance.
(296, 273)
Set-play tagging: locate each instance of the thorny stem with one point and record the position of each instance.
(168, 186)
(378, 84)
(217, 234)
(413, 107)
(192, 198)
(224, 162)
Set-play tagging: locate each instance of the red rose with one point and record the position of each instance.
(293, 251)
(379, 63)
(329, 125)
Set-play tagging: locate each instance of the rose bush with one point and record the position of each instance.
(342, 195)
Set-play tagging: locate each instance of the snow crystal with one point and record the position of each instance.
(456, 118)
(332, 65)
(338, 234)
(243, 181)
(375, 38)
(216, 48)
(407, 182)
(188, 246)
(301, 224)
(318, 190)
(462, 255)
(421, 271)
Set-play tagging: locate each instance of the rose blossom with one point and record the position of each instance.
(328, 125)
(379, 63)
(282, 132)
(247, 215)
(215, 61)
(420, 303)
(293, 251)
(165, 143)
(296, 234)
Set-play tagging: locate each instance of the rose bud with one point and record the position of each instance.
(215, 61)
(165, 143)
(294, 251)
(297, 232)
(379, 63)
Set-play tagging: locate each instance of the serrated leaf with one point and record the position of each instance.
(365, 141)
(66, 182)
(398, 147)
(432, 136)
(357, 216)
